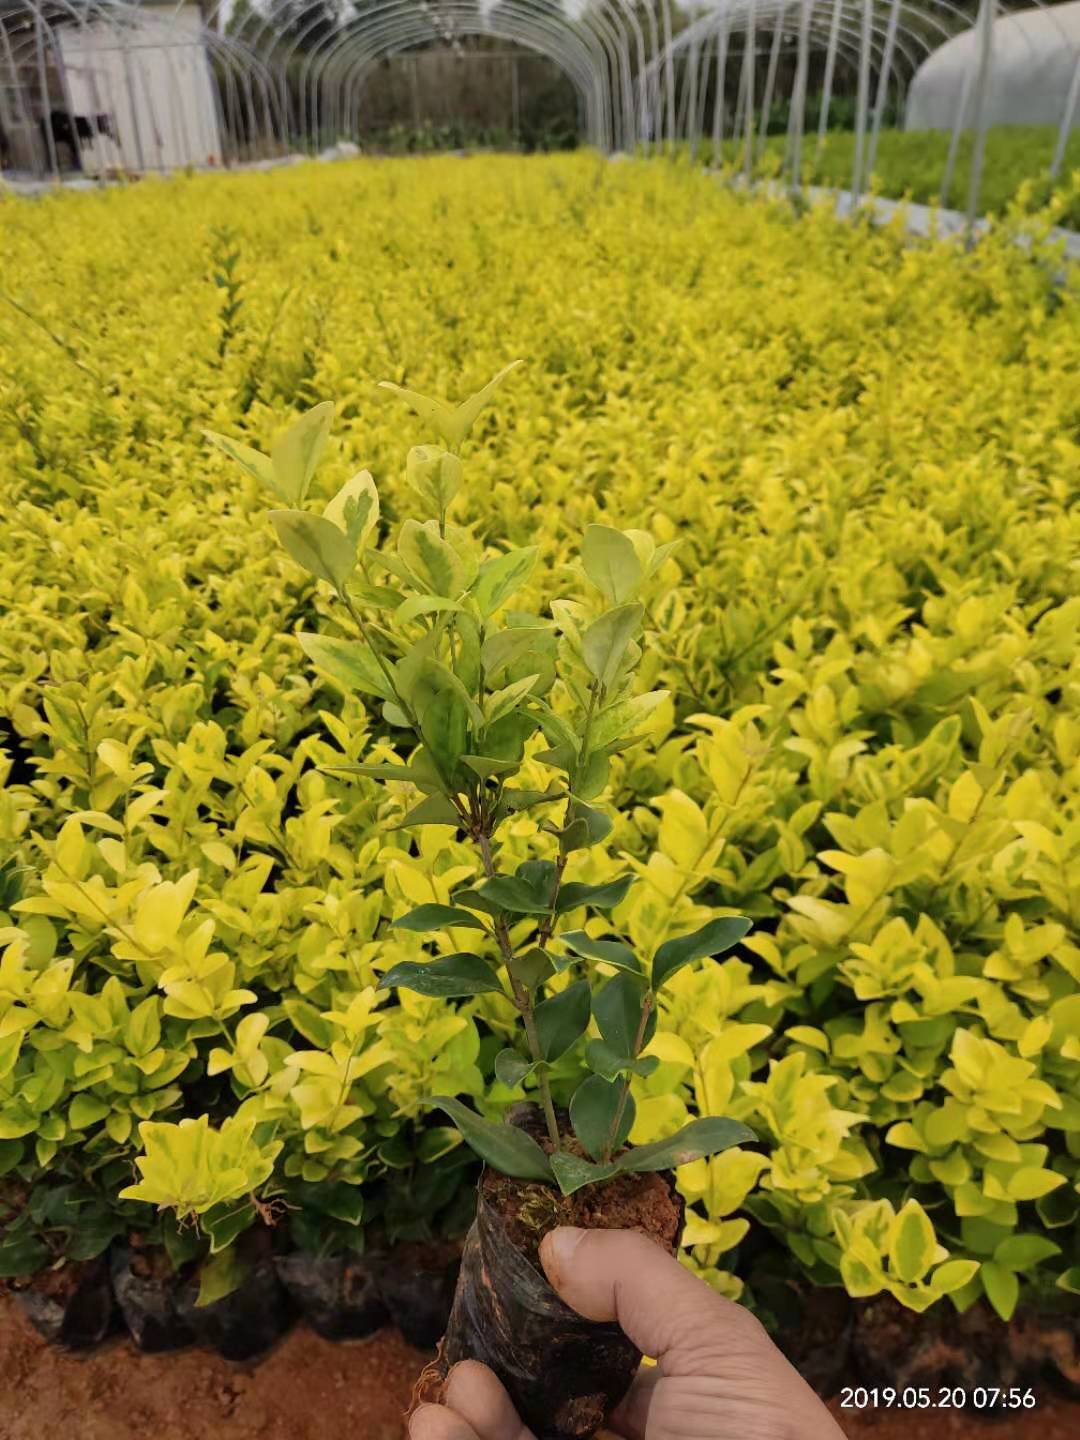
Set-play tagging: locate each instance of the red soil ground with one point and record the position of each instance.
(307, 1388)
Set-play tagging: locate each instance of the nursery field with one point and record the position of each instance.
(911, 164)
(866, 459)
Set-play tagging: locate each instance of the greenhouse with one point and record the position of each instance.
(1034, 73)
(539, 720)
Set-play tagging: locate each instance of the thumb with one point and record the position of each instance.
(668, 1313)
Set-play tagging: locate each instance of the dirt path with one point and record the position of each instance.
(307, 1388)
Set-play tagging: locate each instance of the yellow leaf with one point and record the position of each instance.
(684, 835)
(965, 797)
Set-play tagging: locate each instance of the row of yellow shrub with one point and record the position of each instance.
(869, 454)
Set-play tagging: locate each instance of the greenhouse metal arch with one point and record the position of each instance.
(74, 96)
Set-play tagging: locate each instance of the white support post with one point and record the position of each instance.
(830, 70)
(883, 83)
(798, 101)
(985, 31)
(749, 58)
(1066, 123)
(862, 102)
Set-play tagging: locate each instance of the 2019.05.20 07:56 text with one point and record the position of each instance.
(942, 1397)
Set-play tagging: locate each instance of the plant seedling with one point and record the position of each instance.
(474, 691)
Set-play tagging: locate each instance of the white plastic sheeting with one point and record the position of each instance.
(1035, 57)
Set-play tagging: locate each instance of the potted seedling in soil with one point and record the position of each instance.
(472, 692)
(328, 1270)
(53, 1239)
(229, 1296)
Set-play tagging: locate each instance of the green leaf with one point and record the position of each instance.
(433, 412)
(355, 509)
(911, 1243)
(144, 1026)
(585, 827)
(511, 1068)
(1001, 1286)
(605, 642)
(342, 1202)
(563, 1019)
(512, 893)
(600, 897)
(954, 1275)
(450, 422)
(590, 781)
(600, 1057)
(612, 952)
(432, 559)
(476, 901)
(611, 563)
(297, 450)
(450, 976)
(435, 810)
(593, 1108)
(532, 968)
(695, 1141)
(444, 725)
(349, 662)
(486, 766)
(86, 1110)
(223, 1223)
(1024, 1252)
(308, 1021)
(466, 413)
(712, 939)
(21, 1255)
(426, 605)
(220, 1276)
(11, 1154)
(434, 917)
(574, 1173)
(434, 474)
(502, 702)
(621, 719)
(316, 544)
(404, 774)
(506, 647)
(617, 1007)
(506, 1149)
(500, 578)
(259, 466)
(516, 798)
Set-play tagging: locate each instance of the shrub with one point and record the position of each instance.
(871, 746)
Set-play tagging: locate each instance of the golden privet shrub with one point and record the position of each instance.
(868, 454)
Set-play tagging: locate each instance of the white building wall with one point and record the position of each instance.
(151, 77)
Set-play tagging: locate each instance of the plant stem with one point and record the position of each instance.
(620, 1109)
(522, 999)
(380, 659)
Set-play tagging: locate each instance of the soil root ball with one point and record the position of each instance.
(72, 1306)
(564, 1374)
(244, 1323)
(338, 1296)
(146, 1290)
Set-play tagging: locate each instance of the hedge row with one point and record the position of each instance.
(869, 455)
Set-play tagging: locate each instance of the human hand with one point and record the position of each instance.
(717, 1376)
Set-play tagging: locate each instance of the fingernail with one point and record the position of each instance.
(557, 1250)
